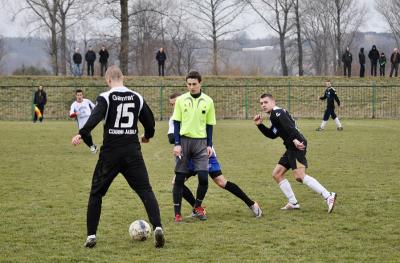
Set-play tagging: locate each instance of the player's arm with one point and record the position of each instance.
(210, 122)
(268, 132)
(336, 98)
(97, 115)
(323, 97)
(146, 117)
(72, 113)
(288, 125)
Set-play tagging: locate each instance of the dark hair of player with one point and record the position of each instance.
(194, 75)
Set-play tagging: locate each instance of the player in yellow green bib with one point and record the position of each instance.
(194, 117)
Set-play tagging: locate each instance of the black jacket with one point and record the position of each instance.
(374, 54)
(382, 60)
(347, 58)
(361, 57)
(395, 58)
(90, 56)
(77, 58)
(103, 56)
(330, 97)
(40, 98)
(161, 57)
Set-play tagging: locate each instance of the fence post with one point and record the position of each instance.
(161, 100)
(373, 99)
(33, 100)
(288, 99)
(246, 102)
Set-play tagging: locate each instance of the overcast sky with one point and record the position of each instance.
(18, 27)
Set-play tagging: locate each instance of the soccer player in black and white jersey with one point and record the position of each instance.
(330, 96)
(121, 109)
(283, 125)
(80, 110)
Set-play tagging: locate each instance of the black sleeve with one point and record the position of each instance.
(209, 130)
(146, 117)
(266, 131)
(44, 98)
(171, 138)
(323, 97)
(336, 98)
(288, 125)
(97, 115)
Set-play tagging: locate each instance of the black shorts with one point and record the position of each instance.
(293, 159)
(329, 112)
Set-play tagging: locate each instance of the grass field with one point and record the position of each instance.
(45, 184)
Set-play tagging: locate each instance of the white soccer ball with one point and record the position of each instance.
(139, 230)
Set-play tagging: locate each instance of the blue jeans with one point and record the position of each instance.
(76, 70)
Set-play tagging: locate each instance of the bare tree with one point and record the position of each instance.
(216, 18)
(2, 52)
(347, 18)
(47, 11)
(276, 14)
(316, 30)
(299, 39)
(390, 10)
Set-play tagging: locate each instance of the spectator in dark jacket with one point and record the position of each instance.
(382, 64)
(394, 60)
(103, 53)
(347, 59)
(361, 59)
(161, 57)
(77, 59)
(373, 56)
(90, 58)
(39, 100)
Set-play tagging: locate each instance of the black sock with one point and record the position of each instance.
(202, 188)
(188, 195)
(177, 192)
(93, 214)
(234, 189)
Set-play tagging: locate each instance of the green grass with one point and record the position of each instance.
(45, 184)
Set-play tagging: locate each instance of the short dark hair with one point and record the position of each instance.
(267, 95)
(174, 95)
(78, 91)
(193, 75)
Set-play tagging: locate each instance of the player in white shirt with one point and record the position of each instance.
(80, 110)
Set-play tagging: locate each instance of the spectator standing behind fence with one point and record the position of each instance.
(161, 57)
(395, 60)
(77, 59)
(361, 59)
(39, 100)
(373, 56)
(103, 53)
(347, 59)
(90, 58)
(382, 64)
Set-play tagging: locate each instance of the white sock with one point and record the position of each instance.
(316, 186)
(287, 191)
(91, 236)
(338, 124)
(323, 124)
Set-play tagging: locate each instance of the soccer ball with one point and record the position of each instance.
(139, 230)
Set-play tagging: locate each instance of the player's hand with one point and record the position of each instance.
(299, 145)
(258, 119)
(209, 151)
(76, 140)
(177, 151)
(144, 140)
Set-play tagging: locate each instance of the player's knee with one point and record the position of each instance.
(220, 182)
(299, 179)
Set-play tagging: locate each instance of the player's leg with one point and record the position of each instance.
(236, 191)
(103, 175)
(135, 172)
(337, 121)
(278, 175)
(186, 193)
(299, 164)
(325, 119)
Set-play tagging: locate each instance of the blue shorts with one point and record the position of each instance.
(214, 168)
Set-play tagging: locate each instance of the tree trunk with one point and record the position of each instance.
(299, 42)
(215, 45)
(63, 46)
(285, 71)
(124, 51)
(53, 45)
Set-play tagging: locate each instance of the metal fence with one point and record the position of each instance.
(231, 102)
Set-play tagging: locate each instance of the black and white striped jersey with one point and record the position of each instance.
(120, 108)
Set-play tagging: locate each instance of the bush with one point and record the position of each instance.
(31, 70)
